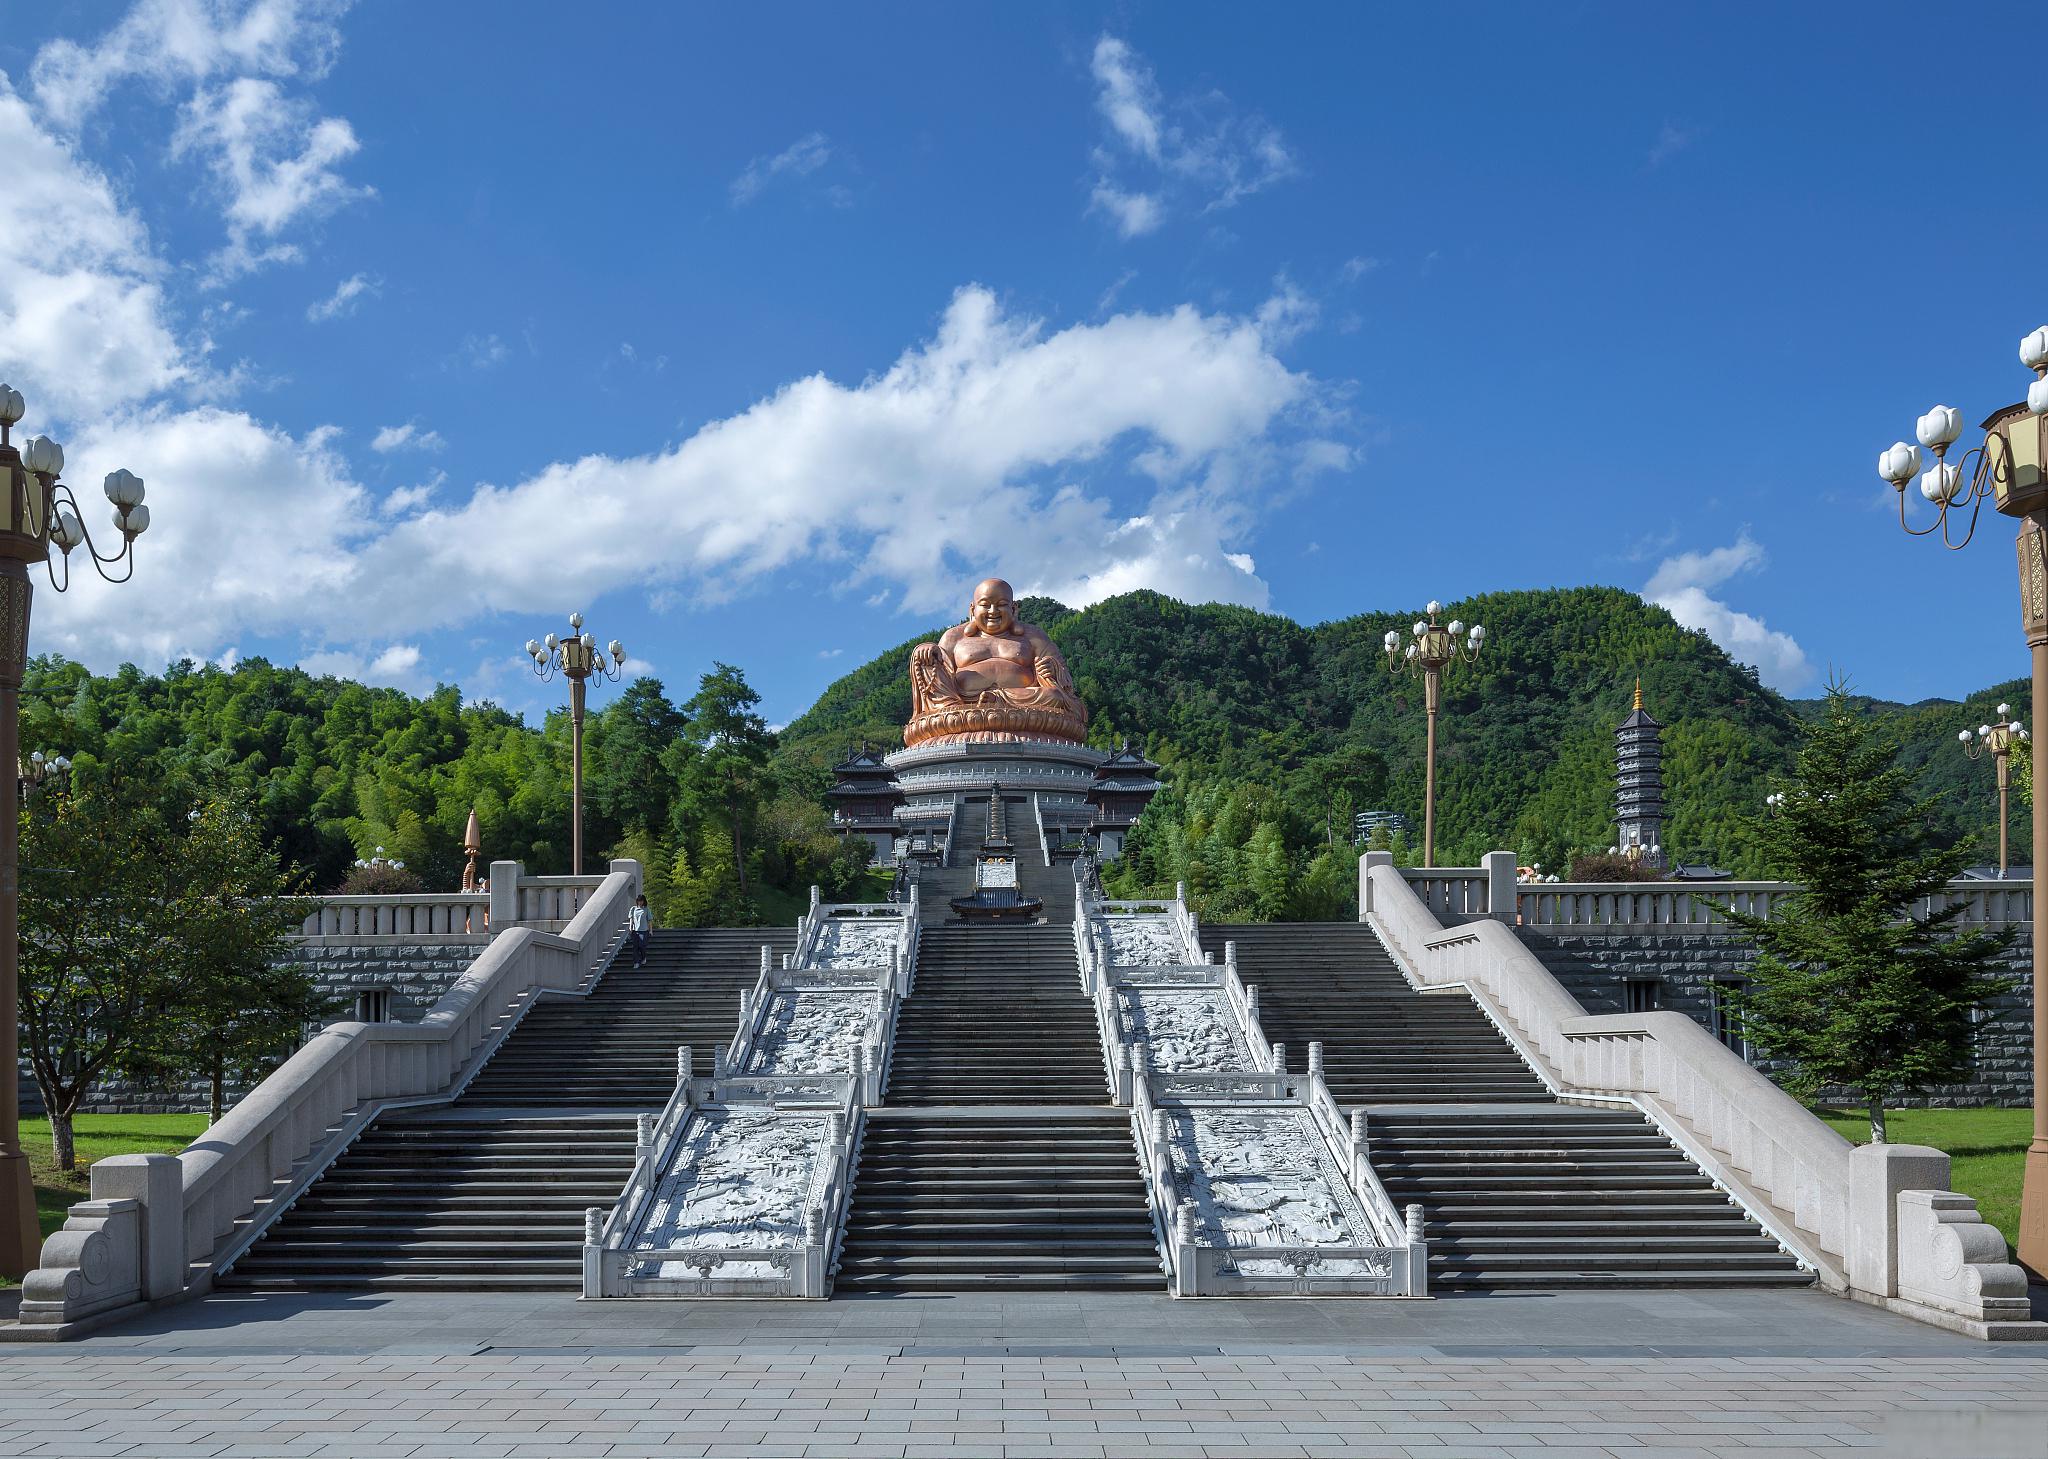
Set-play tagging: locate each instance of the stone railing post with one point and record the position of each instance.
(505, 877)
(1414, 1225)
(643, 1137)
(857, 1062)
(684, 1059)
(157, 1184)
(1251, 999)
(1315, 1058)
(1279, 1058)
(1501, 891)
(1365, 865)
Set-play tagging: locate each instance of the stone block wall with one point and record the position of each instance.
(413, 972)
(1597, 968)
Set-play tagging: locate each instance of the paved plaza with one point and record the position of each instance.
(1615, 1373)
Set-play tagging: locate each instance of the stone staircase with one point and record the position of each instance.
(488, 1193)
(1517, 1190)
(997, 1162)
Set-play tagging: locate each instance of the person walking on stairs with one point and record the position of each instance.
(637, 924)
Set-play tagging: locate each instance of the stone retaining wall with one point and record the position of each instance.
(414, 972)
(1597, 970)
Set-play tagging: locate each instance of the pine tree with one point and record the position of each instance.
(1854, 984)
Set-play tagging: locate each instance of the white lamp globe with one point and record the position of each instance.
(43, 456)
(1393, 639)
(617, 650)
(549, 642)
(2034, 349)
(533, 648)
(1963, 735)
(1433, 608)
(124, 488)
(590, 640)
(1479, 633)
(1898, 463)
(1983, 731)
(1456, 628)
(131, 521)
(12, 406)
(1420, 628)
(2004, 710)
(1940, 426)
(575, 620)
(2037, 397)
(67, 532)
(1941, 483)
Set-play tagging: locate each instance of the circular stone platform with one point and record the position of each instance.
(1055, 774)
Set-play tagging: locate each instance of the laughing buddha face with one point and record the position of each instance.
(995, 607)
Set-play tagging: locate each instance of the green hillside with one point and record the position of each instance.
(1273, 733)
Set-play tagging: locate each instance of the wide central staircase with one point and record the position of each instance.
(1516, 1189)
(488, 1193)
(997, 1162)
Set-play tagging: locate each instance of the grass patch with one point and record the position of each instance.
(97, 1136)
(1986, 1147)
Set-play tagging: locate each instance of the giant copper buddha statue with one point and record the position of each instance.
(992, 678)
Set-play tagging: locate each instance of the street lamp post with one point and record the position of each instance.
(575, 658)
(2008, 469)
(1997, 740)
(1435, 647)
(40, 513)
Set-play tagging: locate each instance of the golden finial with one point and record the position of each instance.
(1639, 693)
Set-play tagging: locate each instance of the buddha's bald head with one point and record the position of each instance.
(994, 609)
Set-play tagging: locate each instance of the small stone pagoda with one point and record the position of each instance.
(1124, 785)
(865, 798)
(1639, 786)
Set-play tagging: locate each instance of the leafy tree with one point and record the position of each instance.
(724, 777)
(1851, 984)
(239, 1004)
(104, 906)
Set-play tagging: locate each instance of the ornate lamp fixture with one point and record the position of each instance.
(41, 771)
(40, 512)
(1433, 649)
(1997, 741)
(2008, 469)
(576, 659)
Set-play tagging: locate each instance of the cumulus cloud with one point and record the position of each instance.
(1200, 153)
(800, 158)
(397, 665)
(82, 313)
(1129, 453)
(406, 437)
(272, 158)
(343, 300)
(1681, 585)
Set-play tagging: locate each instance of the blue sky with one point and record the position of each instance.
(760, 333)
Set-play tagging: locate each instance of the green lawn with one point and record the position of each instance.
(98, 1136)
(1986, 1149)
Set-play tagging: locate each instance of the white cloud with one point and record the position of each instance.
(83, 322)
(479, 352)
(1198, 152)
(1134, 213)
(397, 665)
(800, 158)
(411, 498)
(271, 157)
(406, 437)
(343, 300)
(1680, 586)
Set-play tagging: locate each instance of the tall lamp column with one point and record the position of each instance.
(39, 513)
(1435, 647)
(576, 659)
(1997, 740)
(2007, 469)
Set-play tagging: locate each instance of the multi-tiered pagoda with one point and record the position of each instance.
(1639, 785)
(865, 797)
(1124, 785)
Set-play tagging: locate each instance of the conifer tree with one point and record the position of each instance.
(1857, 984)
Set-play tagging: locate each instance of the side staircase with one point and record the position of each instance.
(1517, 1189)
(998, 1163)
(488, 1193)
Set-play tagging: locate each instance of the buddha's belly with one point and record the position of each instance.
(993, 673)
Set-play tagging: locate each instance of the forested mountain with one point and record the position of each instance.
(1271, 733)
